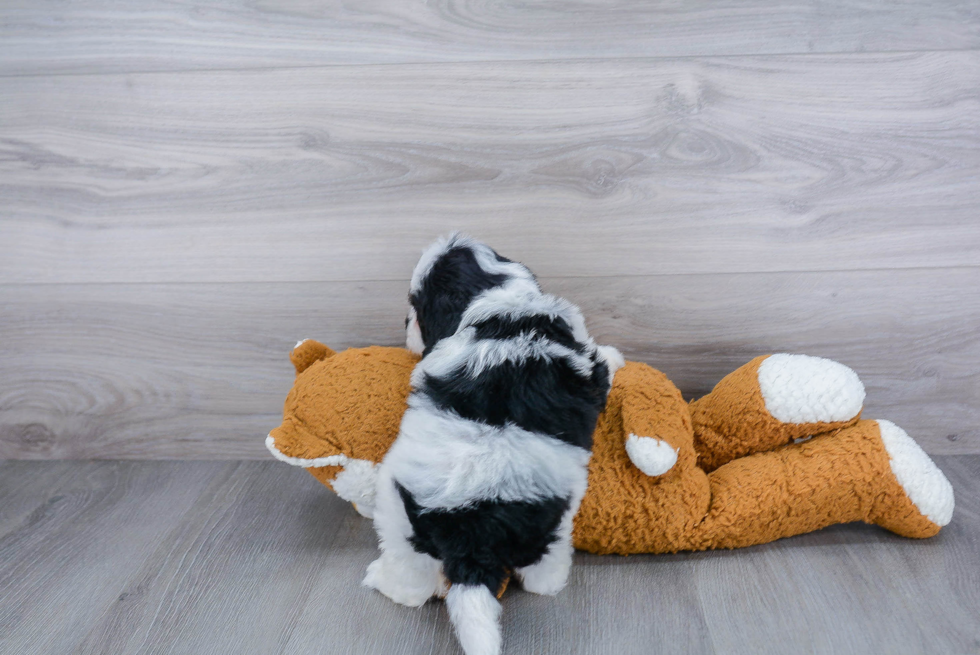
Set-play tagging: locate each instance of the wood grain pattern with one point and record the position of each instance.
(86, 535)
(224, 557)
(201, 370)
(98, 36)
(598, 168)
(186, 189)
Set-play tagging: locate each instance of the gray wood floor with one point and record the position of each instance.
(257, 557)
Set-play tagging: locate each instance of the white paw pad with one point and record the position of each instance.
(652, 456)
(924, 483)
(804, 389)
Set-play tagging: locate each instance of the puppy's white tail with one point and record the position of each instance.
(475, 614)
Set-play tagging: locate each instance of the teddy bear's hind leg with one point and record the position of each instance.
(771, 401)
(868, 472)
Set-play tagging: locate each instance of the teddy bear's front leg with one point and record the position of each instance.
(772, 401)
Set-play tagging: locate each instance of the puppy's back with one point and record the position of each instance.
(491, 461)
(494, 447)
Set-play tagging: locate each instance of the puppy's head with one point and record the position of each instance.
(450, 274)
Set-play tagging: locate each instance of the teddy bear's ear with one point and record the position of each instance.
(307, 352)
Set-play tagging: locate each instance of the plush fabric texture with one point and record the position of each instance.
(924, 483)
(348, 403)
(802, 389)
(741, 476)
(650, 455)
(732, 421)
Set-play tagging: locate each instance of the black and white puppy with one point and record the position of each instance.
(490, 464)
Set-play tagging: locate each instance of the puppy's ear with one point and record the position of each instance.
(307, 352)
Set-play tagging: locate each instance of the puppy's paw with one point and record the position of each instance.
(373, 576)
(547, 577)
(403, 586)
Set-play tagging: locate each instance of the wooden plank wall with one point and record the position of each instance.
(186, 190)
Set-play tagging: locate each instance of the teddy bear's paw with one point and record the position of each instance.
(804, 389)
(923, 482)
(652, 456)
(405, 582)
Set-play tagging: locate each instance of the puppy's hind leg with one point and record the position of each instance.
(401, 573)
(549, 575)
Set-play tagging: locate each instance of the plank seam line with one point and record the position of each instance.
(961, 268)
(567, 60)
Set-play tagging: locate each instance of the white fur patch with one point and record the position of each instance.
(804, 389)
(409, 578)
(463, 349)
(430, 255)
(447, 462)
(475, 614)
(413, 333)
(519, 298)
(516, 298)
(356, 484)
(522, 297)
(923, 482)
(652, 456)
(300, 343)
(390, 519)
(483, 254)
(614, 360)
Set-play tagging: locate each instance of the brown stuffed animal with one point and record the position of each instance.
(776, 449)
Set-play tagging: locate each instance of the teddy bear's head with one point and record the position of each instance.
(342, 415)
